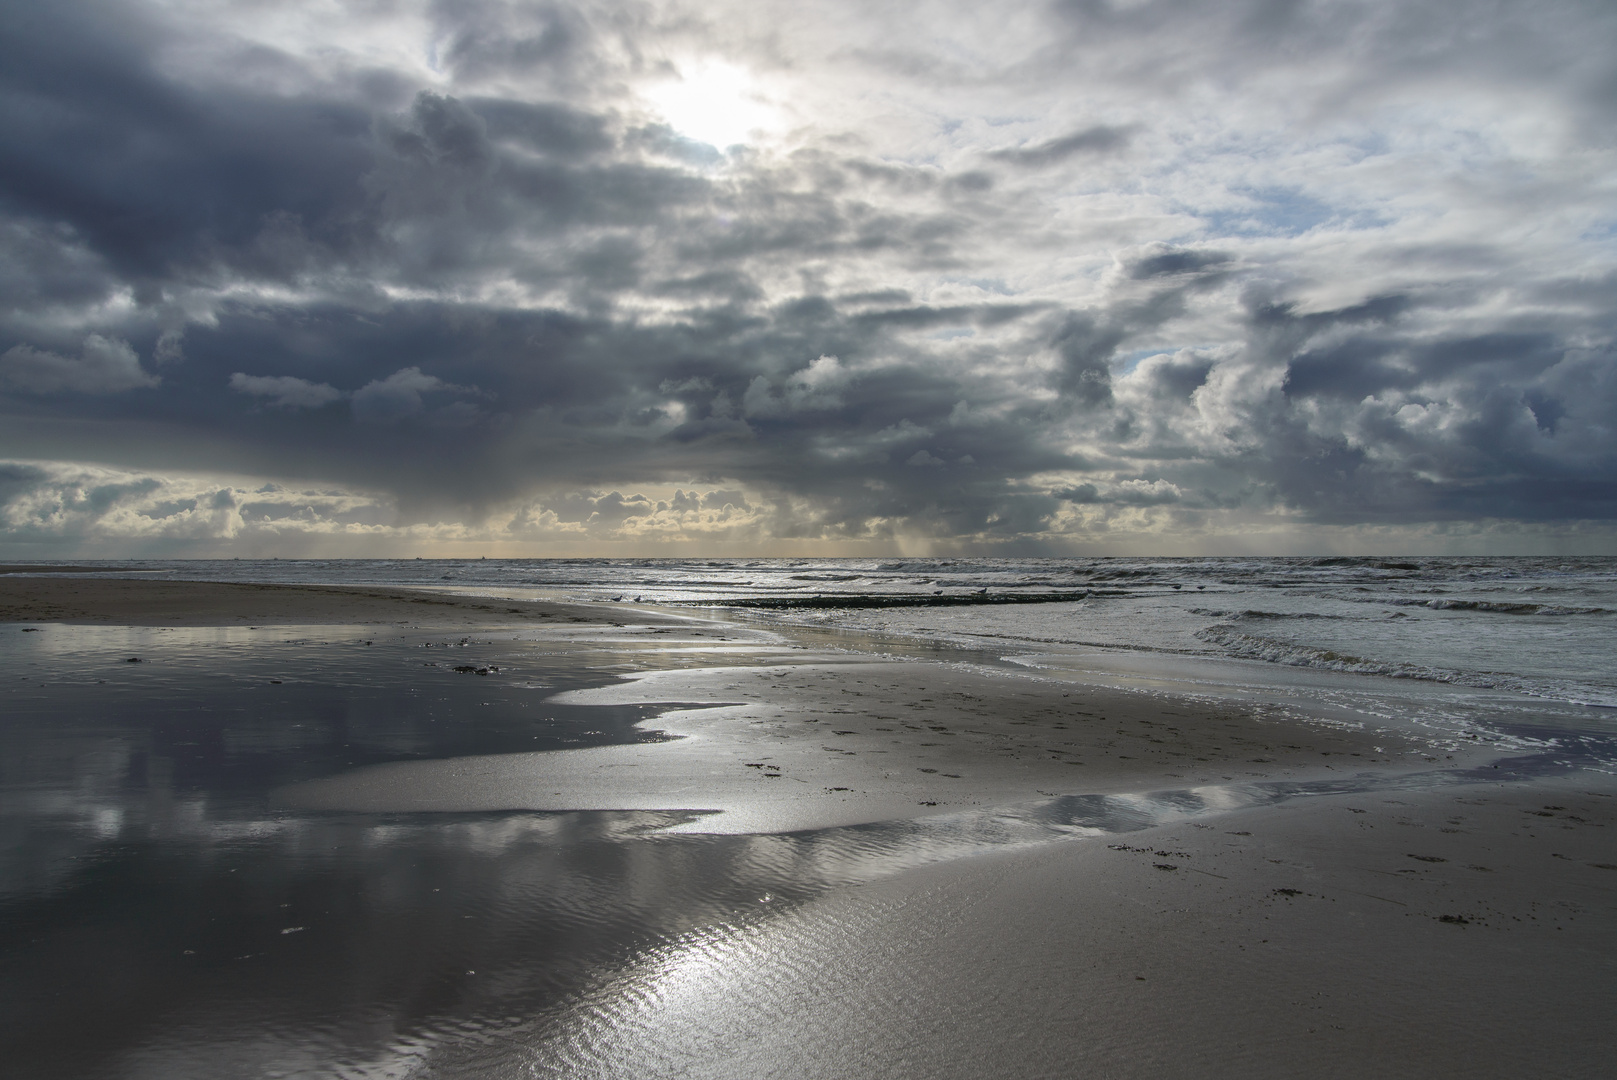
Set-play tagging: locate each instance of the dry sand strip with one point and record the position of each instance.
(202, 603)
(833, 741)
(1469, 932)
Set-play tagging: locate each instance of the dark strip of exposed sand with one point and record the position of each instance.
(136, 602)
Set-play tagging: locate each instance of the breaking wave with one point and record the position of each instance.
(1502, 607)
(1237, 642)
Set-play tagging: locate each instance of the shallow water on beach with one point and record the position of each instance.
(157, 909)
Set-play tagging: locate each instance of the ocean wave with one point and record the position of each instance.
(1252, 647)
(1500, 607)
(1253, 613)
(1247, 646)
(1349, 562)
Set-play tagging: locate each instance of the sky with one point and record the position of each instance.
(475, 277)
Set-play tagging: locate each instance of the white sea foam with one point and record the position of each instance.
(1254, 647)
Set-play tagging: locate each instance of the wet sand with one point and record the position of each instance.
(835, 740)
(1458, 931)
(1439, 934)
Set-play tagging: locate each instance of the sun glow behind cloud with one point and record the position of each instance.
(716, 103)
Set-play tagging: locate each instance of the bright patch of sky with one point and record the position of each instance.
(714, 102)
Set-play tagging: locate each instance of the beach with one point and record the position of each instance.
(871, 861)
(1348, 937)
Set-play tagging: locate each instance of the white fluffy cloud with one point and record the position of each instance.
(813, 388)
(63, 509)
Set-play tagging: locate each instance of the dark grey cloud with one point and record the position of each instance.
(103, 366)
(464, 280)
(1165, 261)
(1098, 139)
(286, 391)
(162, 181)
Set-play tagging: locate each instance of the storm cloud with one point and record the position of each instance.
(484, 276)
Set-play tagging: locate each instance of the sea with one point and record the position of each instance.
(162, 915)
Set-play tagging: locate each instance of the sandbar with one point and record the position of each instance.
(833, 739)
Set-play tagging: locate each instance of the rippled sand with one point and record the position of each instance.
(1408, 934)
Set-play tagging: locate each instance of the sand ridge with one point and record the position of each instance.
(834, 739)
